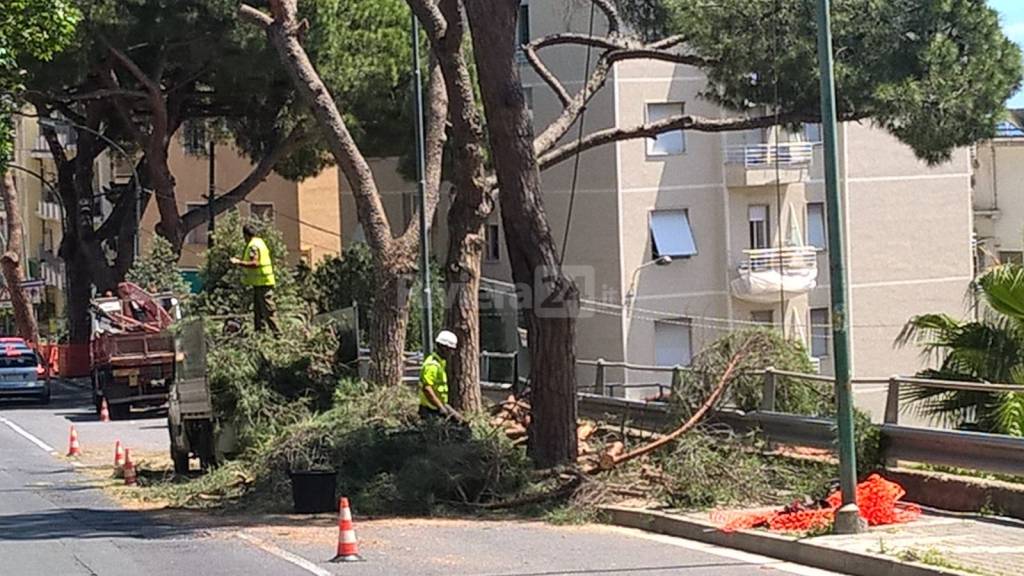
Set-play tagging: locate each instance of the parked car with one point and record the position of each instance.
(22, 374)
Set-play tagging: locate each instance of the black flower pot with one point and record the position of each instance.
(313, 491)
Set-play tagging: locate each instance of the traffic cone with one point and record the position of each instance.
(129, 469)
(104, 411)
(118, 456)
(348, 546)
(73, 448)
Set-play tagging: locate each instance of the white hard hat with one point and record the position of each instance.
(447, 339)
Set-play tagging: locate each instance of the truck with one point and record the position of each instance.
(132, 350)
(190, 417)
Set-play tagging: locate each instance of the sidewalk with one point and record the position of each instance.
(935, 544)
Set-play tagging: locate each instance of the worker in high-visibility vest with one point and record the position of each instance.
(258, 273)
(434, 379)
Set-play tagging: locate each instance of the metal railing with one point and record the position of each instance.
(962, 449)
(788, 154)
(49, 211)
(793, 258)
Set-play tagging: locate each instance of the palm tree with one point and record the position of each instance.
(990, 349)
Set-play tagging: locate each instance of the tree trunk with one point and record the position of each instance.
(462, 281)
(552, 306)
(14, 273)
(390, 321)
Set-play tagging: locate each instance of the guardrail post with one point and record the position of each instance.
(768, 392)
(516, 386)
(892, 401)
(599, 377)
(677, 380)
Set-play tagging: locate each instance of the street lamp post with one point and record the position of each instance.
(54, 122)
(428, 329)
(848, 519)
(631, 293)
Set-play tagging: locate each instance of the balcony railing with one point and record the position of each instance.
(767, 273)
(52, 273)
(49, 211)
(788, 154)
(68, 139)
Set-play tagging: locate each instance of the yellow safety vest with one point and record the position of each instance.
(434, 374)
(264, 274)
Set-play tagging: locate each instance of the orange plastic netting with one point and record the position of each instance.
(877, 498)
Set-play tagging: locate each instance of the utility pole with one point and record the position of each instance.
(848, 519)
(212, 189)
(428, 329)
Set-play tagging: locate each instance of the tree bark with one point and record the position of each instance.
(14, 273)
(553, 301)
(390, 321)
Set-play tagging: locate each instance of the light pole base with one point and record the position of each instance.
(848, 521)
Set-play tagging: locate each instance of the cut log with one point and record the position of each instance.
(585, 431)
(613, 451)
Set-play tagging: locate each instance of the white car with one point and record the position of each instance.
(22, 375)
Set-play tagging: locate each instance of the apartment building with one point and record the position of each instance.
(999, 195)
(306, 213)
(740, 216)
(41, 213)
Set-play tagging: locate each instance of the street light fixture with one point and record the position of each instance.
(63, 122)
(631, 293)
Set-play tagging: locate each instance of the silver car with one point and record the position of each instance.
(21, 373)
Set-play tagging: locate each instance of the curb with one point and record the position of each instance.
(786, 548)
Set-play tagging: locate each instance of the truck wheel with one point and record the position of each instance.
(181, 463)
(207, 455)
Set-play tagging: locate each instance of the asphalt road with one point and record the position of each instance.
(54, 522)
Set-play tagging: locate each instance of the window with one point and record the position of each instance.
(1011, 257)
(262, 211)
(757, 218)
(820, 329)
(764, 317)
(493, 243)
(812, 133)
(816, 226)
(523, 29)
(672, 343)
(409, 204)
(671, 234)
(669, 143)
(194, 139)
(196, 235)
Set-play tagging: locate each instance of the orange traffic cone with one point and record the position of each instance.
(348, 546)
(104, 411)
(73, 448)
(129, 469)
(118, 456)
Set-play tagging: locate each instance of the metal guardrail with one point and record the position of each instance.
(962, 449)
(795, 258)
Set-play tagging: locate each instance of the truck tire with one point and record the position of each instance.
(205, 442)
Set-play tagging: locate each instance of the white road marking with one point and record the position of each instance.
(27, 436)
(283, 555)
(724, 552)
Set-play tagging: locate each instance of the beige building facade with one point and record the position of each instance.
(999, 195)
(307, 213)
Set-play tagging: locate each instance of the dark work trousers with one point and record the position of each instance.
(264, 309)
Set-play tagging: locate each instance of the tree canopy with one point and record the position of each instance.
(28, 29)
(934, 73)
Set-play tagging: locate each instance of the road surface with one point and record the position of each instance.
(54, 522)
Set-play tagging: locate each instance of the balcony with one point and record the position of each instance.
(52, 273)
(768, 274)
(49, 211)
(751, 165)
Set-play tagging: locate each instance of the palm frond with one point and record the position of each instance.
(1003, 287)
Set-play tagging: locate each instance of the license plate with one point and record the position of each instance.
(122, 372)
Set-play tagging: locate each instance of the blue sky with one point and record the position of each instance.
(1012, 12)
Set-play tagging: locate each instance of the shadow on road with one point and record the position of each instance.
(84, 523)
(673, 569)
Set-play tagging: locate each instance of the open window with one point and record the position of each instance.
(816, 235)
(671, 234)
(667, 143)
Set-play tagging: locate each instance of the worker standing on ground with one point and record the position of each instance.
(258, 273)
(434, 379)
